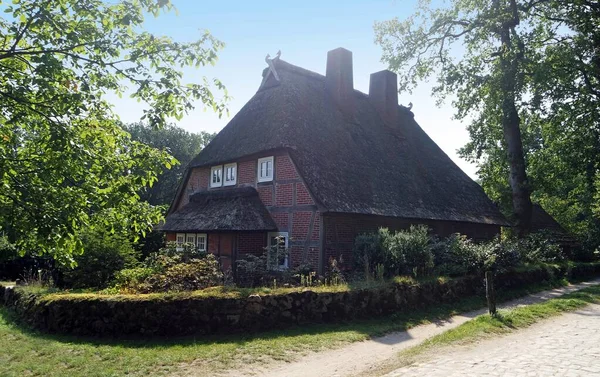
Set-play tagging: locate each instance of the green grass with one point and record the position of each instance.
(27, 352)
(485, 326)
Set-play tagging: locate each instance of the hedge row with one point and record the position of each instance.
(192, 314)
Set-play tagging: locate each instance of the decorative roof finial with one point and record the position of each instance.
(271, 70)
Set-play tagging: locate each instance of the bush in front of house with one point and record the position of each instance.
(104, 255)
(416, 253)
(539, 247)
(402, 252)
(173, 268)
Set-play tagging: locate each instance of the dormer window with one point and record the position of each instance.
(265, 169)
(230, 171)
(216, 176)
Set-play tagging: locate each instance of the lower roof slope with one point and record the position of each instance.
(352, 162)
(238, 209)
(541, 221)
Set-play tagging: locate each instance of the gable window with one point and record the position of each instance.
(278, 244)
(265, 169)
(216, 176)
(230, 174)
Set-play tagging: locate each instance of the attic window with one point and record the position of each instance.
(265, 169)
(230, 174)
(216, 176)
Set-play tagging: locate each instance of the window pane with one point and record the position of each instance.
(201, 242)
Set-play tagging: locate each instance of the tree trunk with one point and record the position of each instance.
(510, 57)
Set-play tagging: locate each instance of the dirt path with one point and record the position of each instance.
(568, 345)
(362, 356)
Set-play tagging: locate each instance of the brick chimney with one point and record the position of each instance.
(383, 93)
(339, 78)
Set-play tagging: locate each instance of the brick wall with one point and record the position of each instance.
(251, 243)
(247, 173)
(288, 200)
(284, 194)
(341, 230)
(284, 168)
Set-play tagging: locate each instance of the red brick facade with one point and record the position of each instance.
(287, 199)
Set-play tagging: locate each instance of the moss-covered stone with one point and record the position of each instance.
(193, 313)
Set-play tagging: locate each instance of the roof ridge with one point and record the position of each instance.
(287, 66)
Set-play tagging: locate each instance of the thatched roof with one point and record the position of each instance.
(351, 163)
(237, 209)
(541, 221)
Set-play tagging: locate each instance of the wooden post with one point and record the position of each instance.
(490, 293)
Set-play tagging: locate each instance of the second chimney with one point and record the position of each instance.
(383, 93)
(339, 78)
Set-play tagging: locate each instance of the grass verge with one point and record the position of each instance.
(27, 352)
(486, 326)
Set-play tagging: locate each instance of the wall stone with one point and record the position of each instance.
(189, 313)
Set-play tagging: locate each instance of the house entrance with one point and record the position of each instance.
(226, 251)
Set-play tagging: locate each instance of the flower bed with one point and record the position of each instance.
(231, 311)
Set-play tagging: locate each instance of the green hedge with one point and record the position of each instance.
(198, 313)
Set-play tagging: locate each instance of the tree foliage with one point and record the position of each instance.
(556, 93)
(65, 163)
(180, 144)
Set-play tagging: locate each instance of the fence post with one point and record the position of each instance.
(490, 293)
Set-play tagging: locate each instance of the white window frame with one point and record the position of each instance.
(181, 238)
(192, 236)
(220, 170)
(201, 236)
(271, 235)
(234, 180)
(267, 178)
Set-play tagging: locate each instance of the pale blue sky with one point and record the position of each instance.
(304, 31)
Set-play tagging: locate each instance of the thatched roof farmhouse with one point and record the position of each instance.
(314, 161)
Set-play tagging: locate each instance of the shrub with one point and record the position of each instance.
(539, 247)
(368, 252)
(251, 270)
(496, 255)
(104, 255)
(403, 252)
(254, 270)
(133, 279)
(193, 275)
(454, 256)
(172, 268)
(415, 248)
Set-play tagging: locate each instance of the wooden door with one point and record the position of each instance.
(226, 251)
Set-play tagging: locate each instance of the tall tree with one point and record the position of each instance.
(180, 144)
(65, 163)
